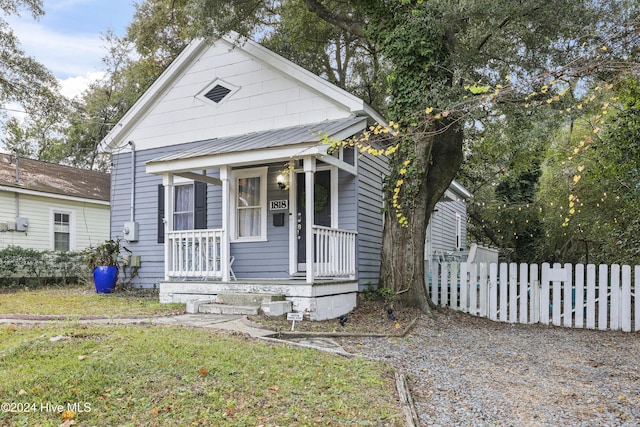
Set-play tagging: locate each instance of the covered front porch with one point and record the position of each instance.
(272, 220)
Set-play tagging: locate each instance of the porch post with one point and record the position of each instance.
(309, 171)
(224, 242)
(167, 181)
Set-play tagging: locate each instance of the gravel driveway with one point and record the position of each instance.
(469, 371)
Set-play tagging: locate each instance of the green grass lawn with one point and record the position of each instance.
(166, 376)
(172, 376)
(83, 301)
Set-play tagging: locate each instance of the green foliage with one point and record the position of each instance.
(20, 267)
(107, 253)
(590, 192)
(379, 294)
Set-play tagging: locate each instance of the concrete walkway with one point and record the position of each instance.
(232, 323)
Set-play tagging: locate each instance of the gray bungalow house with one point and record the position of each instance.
(221, 182)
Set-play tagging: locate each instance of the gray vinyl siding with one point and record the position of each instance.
(151, 252)
(370, 218)
(443, 226)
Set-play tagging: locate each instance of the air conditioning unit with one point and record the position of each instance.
(3, 226)
(11, 226)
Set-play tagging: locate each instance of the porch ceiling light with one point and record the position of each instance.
(281, 182)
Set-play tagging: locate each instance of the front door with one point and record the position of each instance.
(322, 210)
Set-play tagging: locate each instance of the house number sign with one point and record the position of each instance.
(277, 205)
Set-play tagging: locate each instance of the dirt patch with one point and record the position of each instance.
(370, 317)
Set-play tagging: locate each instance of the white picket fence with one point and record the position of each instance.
(594, 297)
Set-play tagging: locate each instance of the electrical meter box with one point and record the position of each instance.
(130, 231)
(22, 224)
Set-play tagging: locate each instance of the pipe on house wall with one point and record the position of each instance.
(133, 180)
(17, 196)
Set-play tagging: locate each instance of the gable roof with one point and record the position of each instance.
(42, 177)
(196, 49)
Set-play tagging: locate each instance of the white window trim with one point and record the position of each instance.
(237, 174)
(72, 227)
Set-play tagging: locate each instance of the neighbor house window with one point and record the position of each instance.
(458, 231)
(251, 204)
(62, 236)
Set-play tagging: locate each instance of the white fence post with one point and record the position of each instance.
(544, 295)
(603, 297)
(614, 307)
(513, 292)
(535, 294)
(524, 293)
(493, 291)
(503, 292)
(625, 299)
(464, 288)
(484, 290)
(591, 296)
(568, 296)
(579, 296)
(473, 289)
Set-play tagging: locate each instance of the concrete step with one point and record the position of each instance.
(216, 308)
(247, 299)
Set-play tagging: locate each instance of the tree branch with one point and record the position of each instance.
(348, 25)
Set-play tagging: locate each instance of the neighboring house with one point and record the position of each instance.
(446, 239)
(447, 230)
(221, 182)
(46, 206)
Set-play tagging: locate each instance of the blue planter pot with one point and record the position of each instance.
(105, 278)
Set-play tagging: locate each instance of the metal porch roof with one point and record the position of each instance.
(261, 140)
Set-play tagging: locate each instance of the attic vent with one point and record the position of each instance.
(217, 94)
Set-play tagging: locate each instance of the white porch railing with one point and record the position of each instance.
(194, 253)
(335, 252)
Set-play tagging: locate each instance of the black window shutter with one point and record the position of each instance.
(160, 213)
(200, 206)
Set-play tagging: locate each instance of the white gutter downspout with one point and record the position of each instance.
(17, 196)
(133, 181)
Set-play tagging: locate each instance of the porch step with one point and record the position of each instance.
(215, 308)
(241, 303)
(248, 299)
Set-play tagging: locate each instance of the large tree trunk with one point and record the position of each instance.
(402, 258)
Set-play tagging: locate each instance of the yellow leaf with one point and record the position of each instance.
(68, 415)
(580, 168)
(428, 110)
(397, 325)
(576, 178)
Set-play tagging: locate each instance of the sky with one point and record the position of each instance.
(67, 38)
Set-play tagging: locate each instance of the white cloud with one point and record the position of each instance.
(64, 54)
(74, 86)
